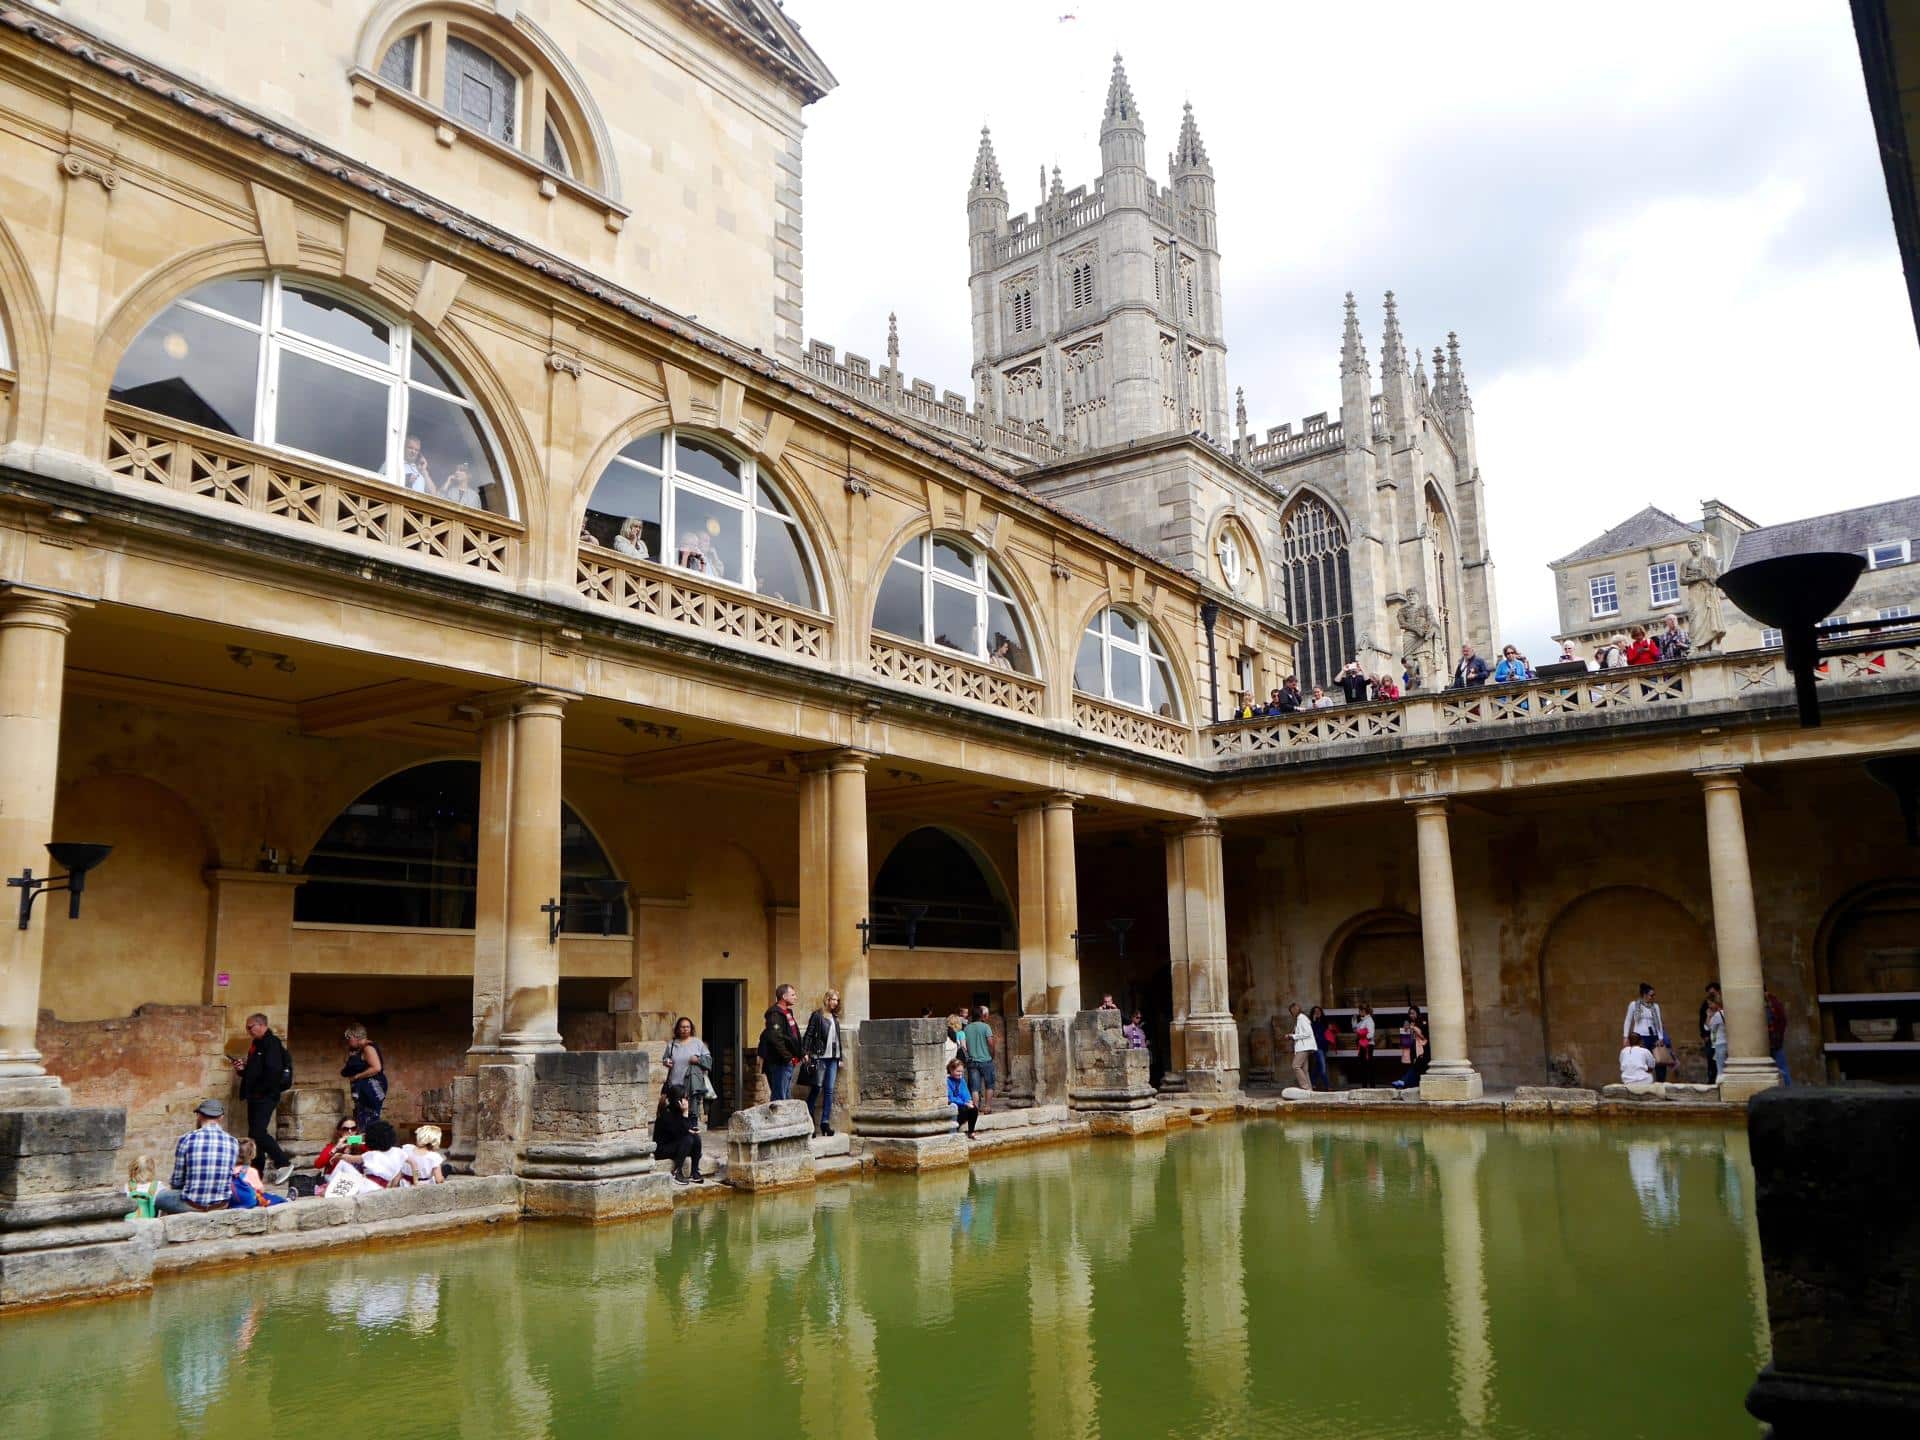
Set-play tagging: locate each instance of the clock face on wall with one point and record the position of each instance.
(1233, 563)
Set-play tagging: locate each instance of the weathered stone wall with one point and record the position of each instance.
(156, 1064)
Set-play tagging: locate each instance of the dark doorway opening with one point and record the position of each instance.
(721, 1024)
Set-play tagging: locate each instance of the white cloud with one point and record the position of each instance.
(1659, 229)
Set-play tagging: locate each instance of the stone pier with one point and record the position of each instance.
(769, 1147)
(63, 1216)
(902, 1118)
(1110, 1088)
(589, 1151)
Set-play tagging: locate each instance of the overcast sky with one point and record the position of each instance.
(1660, 229)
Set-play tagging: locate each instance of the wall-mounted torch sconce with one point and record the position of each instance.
(553, 910)
(78, 860)
(865, 927)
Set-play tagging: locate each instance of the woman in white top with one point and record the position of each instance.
(690, 1065)
(1717, 1035)
(385, 1163)
(1636, 1066)
(424, 1159)
(630, 541)
(1363, 1033)
(1303, 1047)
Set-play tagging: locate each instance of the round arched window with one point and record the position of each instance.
(288, 364)
(943, 591)
(682, 499)
(1121, 660)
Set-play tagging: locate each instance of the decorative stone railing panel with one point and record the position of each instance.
(224, 471)
(679, 599)
(1306, 728)
(1132, 727)
(952, 675)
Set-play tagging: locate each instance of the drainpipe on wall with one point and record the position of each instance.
(1209, 617)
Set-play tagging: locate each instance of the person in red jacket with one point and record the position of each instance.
(1644, 650)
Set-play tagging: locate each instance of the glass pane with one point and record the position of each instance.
(193, 368)
(898, 611)
(428, 371)
(647, 450)
(1125, 627)
(706, 462)
(241, 299)
(780, 569)
(1086, 666)
(768, 500)
(956, 619)
(1006, 642)
(995, 584)
(324, 410)
(914, 552)
(309, 312)
(480, 90)
(1160, 690)
(1126, 679)
(707, 535)
(452, 451)
(952, 558)
(553, 152)
(397, 64)
(624, 513)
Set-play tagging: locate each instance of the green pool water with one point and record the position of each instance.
(1268, 1278)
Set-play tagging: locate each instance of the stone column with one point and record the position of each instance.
(1451, 1075)
(901, 1115)
(1063, 907)
(816, 842)
(848, 885)
(1212, 1040)
(530, 1020)
(33, 655)
(1031, 839)
(1175, 1078)
(1736, 935)
(490, 884)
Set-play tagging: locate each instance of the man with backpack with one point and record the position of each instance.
(265, 1075)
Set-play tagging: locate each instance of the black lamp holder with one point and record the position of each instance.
(76, 859)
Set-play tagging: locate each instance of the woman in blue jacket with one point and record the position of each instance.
(960, 1097)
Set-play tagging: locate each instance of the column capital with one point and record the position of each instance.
(822, 762)
(29, 605)
(1431, 804)
(1205, 827)
(526, 700)
(1720, 777)
(1059, 800)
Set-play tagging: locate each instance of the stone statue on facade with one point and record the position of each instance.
(1699, 572)
(1418, 626)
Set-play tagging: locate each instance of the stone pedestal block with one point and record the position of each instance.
(901, 1114)
(1835, 1171)
(307, 1117)
(63, 1228)
(1045, 1040)
(463, 1138)
(1213, 1055)
(1445, 1082)
(589, 1147)
(1110, 1088)
(768, 1146)
(503, 1098)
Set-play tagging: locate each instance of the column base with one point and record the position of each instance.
(1456, 1081)
(1047, 1035)
(768, 1146)
(922, 1152)
(63, 1230)
(1747, 1076)
(32, 1092)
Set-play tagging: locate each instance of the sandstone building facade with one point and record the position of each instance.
(448, 631)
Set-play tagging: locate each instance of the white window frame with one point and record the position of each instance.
(1897, 612)
(1663, 583)
(983, 586)
(1611, 591)
(1901, 552)
(1771, 639)
(1143, 653)
(745, 502)
(396, 373)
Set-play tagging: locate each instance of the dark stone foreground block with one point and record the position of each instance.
(1836, 1173)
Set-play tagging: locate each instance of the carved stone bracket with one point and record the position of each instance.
(76, 166)
(565, 364)
(857, 486)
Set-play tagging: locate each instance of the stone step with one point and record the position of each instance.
(826, 1146)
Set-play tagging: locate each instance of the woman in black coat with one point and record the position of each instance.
(674, 1136)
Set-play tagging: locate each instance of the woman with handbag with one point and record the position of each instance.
(689, 1065)
(368, 1074)
(1363, 1029)
(822, 1046)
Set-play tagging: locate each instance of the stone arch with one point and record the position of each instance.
(142, 937)
(814, 527)
(1026, 600)
(1858, 945)
(1376, 957)
(23, 326)
(530, 45)
(1598, 948)
(180, 277)
(942, 867)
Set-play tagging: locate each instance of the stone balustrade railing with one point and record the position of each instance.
(1608, 696)
(223, 471)
(1132, 727)
(680, 598)
(945, 673)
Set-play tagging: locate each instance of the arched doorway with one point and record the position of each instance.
(406, 853)
(1598, 951)
(1869, 944)
(1376, 959)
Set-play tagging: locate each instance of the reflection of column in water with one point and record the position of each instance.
(1313, 1177)
(1456, 1153)
(1060, 1385)
(1656, 1180)
(1738, 1169)
(941, 1201)
(1213, 1198)
(839, 1363)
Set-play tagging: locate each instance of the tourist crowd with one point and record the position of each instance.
(1354, 686)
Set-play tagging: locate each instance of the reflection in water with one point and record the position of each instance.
(1350, 1278)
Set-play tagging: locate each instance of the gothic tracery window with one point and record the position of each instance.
(1319, 589)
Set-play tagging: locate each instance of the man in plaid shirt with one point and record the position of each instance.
(203, 1164)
